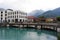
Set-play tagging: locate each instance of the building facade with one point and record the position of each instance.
(12, 16)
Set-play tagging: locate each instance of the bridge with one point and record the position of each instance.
(53, 26)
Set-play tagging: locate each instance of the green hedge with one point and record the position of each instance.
(58, 36)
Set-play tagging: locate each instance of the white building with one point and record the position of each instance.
(12, 16)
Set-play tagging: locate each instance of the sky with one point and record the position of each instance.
(30, 5)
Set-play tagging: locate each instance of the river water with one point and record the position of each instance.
(26, 34)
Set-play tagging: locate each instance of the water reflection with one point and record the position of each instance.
(47, 37)
(26, 34)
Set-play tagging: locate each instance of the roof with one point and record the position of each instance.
(30, 17)
(10, 9)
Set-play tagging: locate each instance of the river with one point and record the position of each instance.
(26, 34)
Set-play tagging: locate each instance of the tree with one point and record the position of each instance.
(41, 17)
(58, 18)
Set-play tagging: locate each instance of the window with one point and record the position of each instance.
(8, 20)
(15, 12)
(13, 16)
(5, 11)
(1, 18)
(11, 12)
(8, 16)
(23, 20)
(12, 20)
(1, 15)
(5, 18)
(1, 11)
(20, 20)
(5, 14)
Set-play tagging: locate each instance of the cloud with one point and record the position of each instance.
(30, 5)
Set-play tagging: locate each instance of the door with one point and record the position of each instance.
(16, 20)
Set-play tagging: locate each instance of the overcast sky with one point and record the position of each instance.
(30, 5)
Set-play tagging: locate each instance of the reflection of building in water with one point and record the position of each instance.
(12, 16)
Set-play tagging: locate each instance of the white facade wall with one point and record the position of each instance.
(2, 16)
(13, 16)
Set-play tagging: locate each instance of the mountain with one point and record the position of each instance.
(36, 13)
(1, 9)
(51, 13)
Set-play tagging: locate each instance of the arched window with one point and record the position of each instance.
(12, 20)
(5, 11)
(8, 20)
(1, 11)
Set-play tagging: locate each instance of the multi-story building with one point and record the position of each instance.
(2, 16)
(12, 16)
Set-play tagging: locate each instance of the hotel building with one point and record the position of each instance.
(12, 16)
